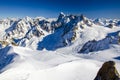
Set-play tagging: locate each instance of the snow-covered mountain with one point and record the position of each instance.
(39, 33)
(69, 47)
(93, 45)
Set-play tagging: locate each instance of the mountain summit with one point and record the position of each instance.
(55, 33)
(69, 47)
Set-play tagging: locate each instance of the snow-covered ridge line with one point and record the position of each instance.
(103, 44)
(50, 47)
(36, 33)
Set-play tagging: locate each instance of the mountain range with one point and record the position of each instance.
(44, 46)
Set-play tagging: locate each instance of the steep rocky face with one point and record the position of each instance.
(94, 45)
(106, 22)
(73, 26)
(23, 27)
(108, 71)
(110, 25)
(26, 29)
(103, 44)
(98, 22)
(118, 23)
(66, 28)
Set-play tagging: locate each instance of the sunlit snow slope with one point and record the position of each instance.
(70, 47)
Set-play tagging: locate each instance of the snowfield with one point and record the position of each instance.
(51, 65)
(70, 47)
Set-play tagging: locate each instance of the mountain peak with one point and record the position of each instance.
(82, 17)
(24, 30)
(61, 13)
(27, 18)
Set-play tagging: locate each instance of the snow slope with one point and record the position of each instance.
(70, 47)
(44, 65)
(52, 65)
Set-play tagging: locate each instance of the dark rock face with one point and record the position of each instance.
(108, 72)
(110, 25)
(94, 45)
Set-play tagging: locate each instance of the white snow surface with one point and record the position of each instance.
(54, 65)
(55, 61)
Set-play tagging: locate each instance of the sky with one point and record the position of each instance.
(52, 8)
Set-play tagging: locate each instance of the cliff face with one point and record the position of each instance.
(108, 71)
(94, 45)
(59, 32)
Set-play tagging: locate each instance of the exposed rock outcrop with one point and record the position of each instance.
(94, 45)
(6, 43)
(66, 30)
(110, 26)
(108, 72)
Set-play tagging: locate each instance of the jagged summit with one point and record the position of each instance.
(34, 32)
(61, 14)
(69, 46)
